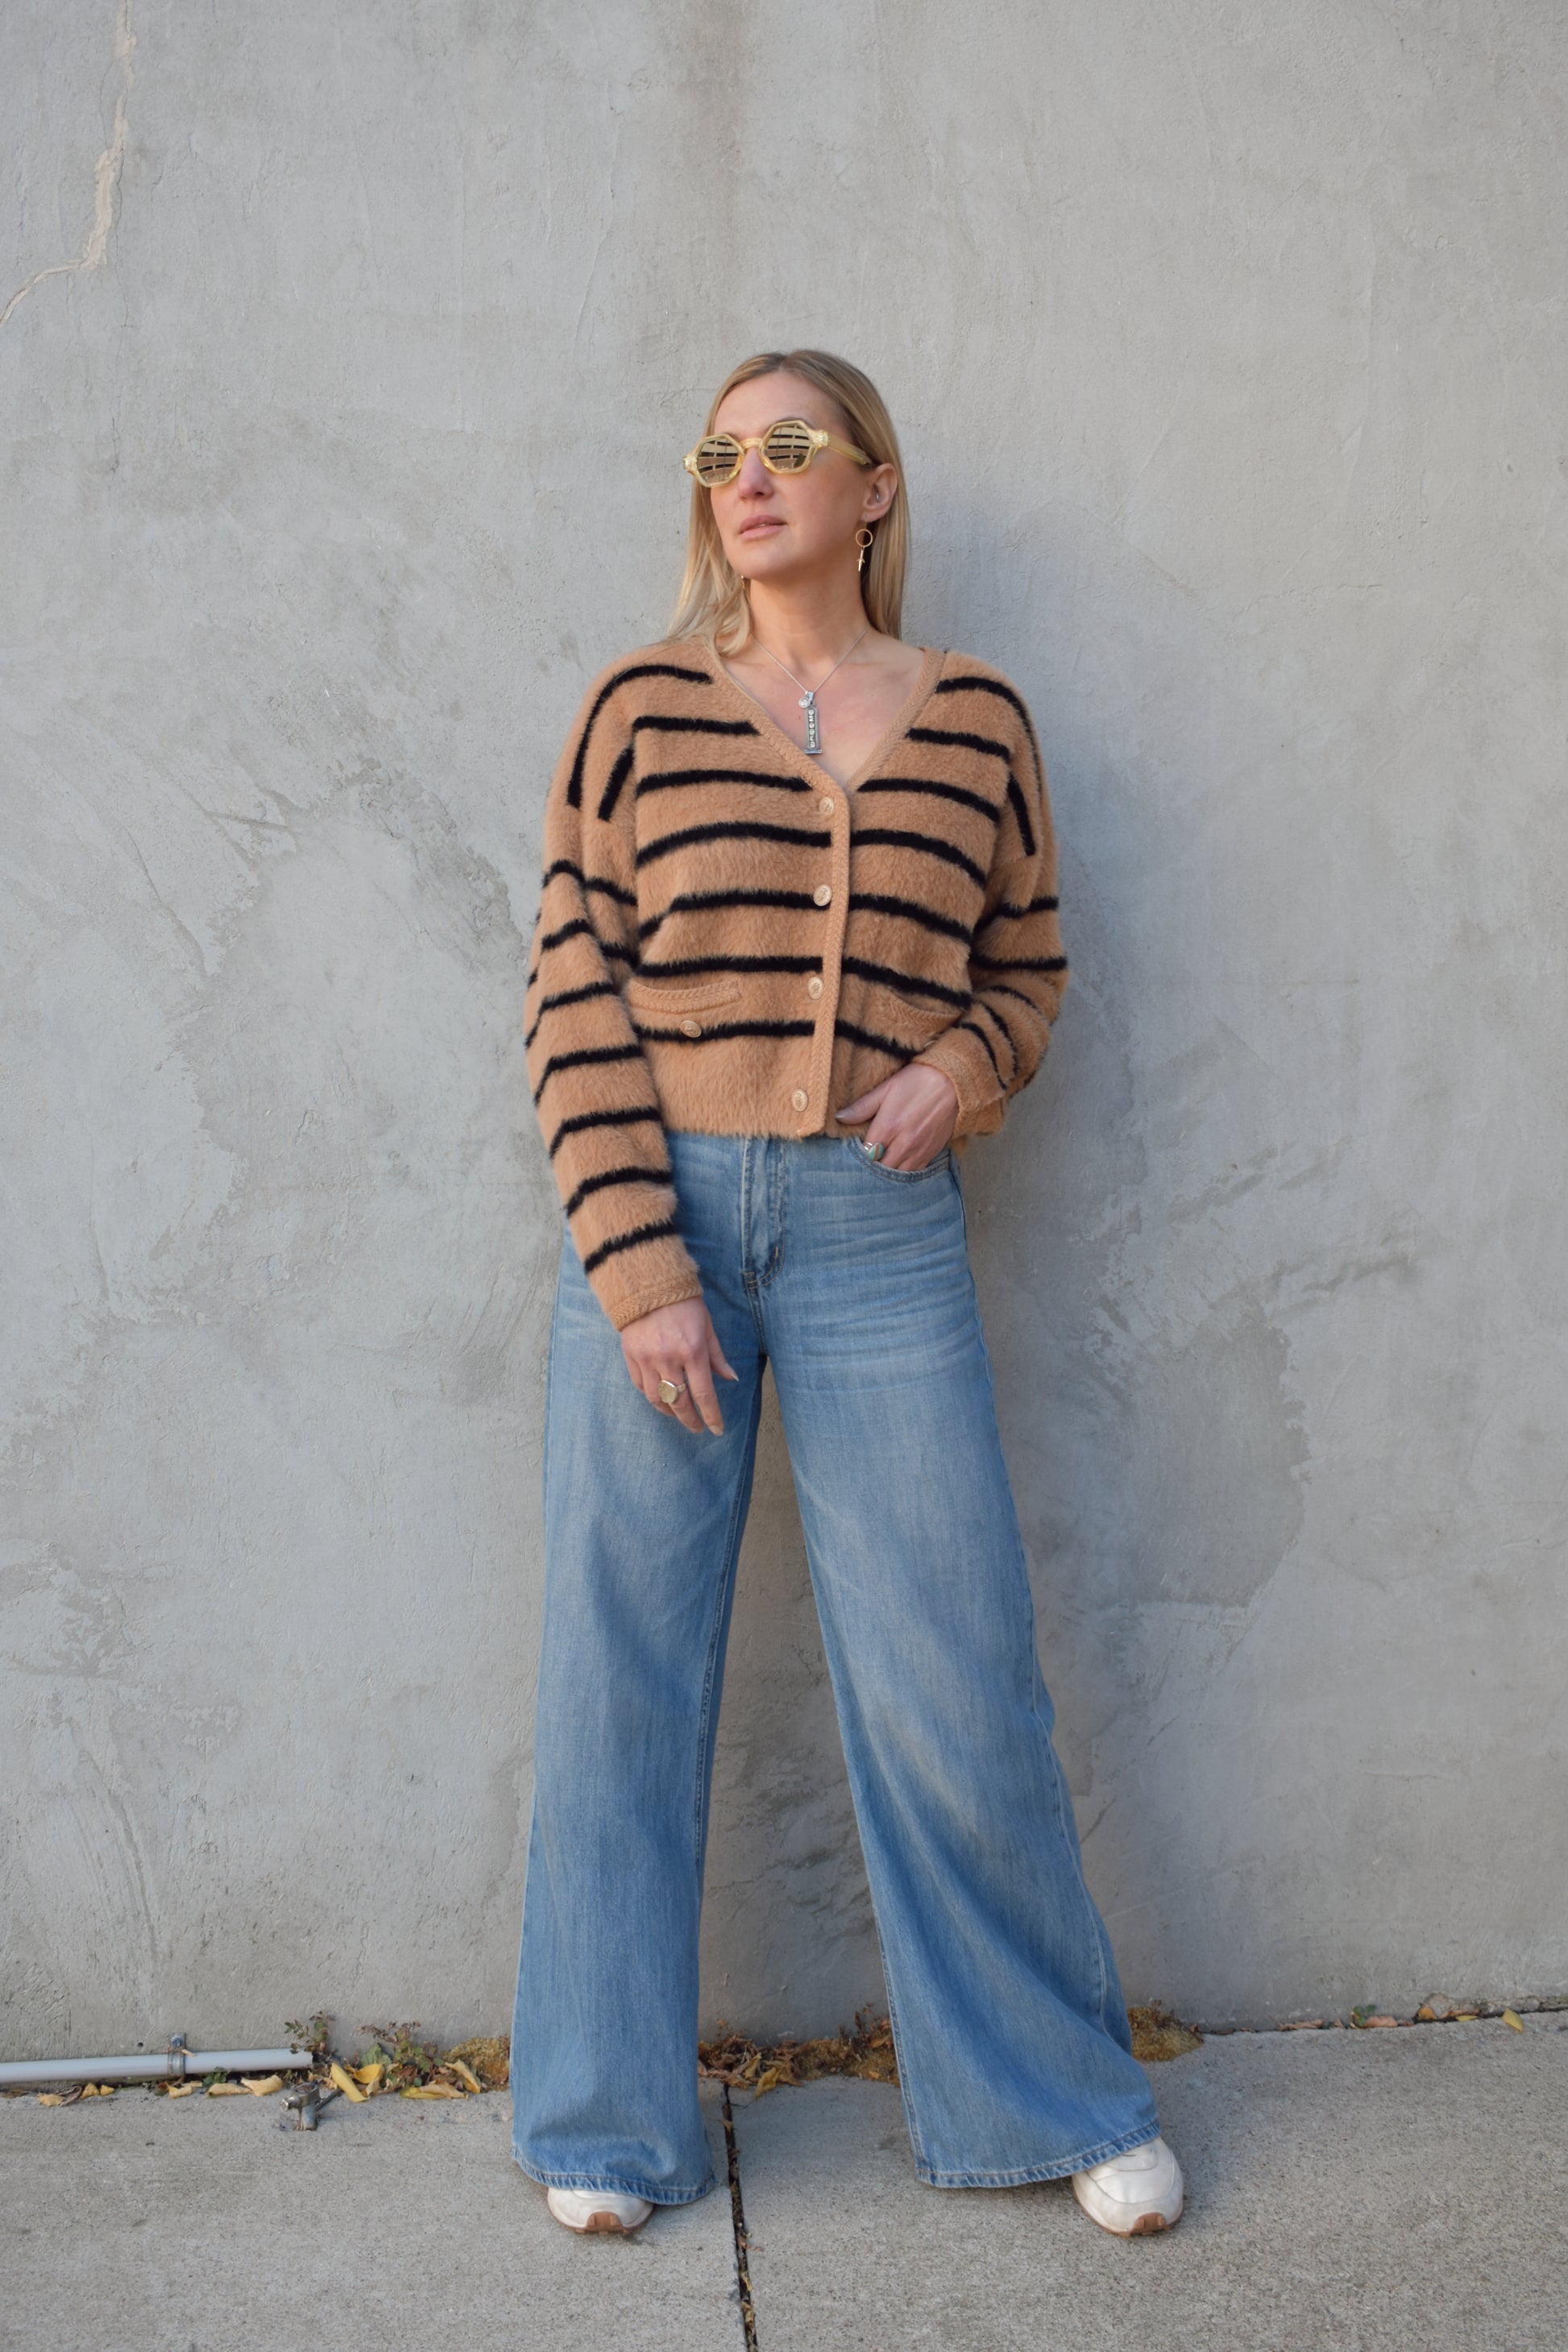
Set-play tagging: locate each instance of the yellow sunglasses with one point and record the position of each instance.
(786, 448)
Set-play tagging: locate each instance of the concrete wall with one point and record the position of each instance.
(1226, 341)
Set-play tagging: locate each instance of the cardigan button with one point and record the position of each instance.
(823, 893)
(800, 1098)
(825, 806)
(814, 985)
(689, 1028)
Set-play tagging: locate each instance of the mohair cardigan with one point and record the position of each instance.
(729, 940)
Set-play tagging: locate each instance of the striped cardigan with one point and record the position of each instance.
(729, 940)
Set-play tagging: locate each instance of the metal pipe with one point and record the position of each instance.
(154, 2067)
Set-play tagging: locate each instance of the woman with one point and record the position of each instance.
(797, 944)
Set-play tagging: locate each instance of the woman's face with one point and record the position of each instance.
(776, 525)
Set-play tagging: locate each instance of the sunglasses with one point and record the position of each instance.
(786, 448)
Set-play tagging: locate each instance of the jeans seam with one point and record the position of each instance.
(602, 2185)
(1030, 2174)
(706, 1724)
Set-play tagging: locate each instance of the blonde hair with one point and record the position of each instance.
(713, 599)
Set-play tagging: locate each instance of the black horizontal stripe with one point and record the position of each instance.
(879, 902)
(730, 829)
(1004, 911)
(621, 677)
(609, 1176)
(583, 1120)
(895, 837)
(887, 977)
(1001, 988)
(665, 780)
(957, 738)
(580, 928)
(663, 1231)
(589, 881)
(967, 683)
(692, 726)
(879, 1044)
(617, 777)
(688, 902)
(690, 967)
(932, 790)
(568, 996)
(990, 1052)
(982, 1006)
(1016, 801)
(1019, 963)
(714, 1031)
(578, 1060)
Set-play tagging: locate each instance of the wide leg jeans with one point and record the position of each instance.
(853, 1280)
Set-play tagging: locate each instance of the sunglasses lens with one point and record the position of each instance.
(717, 459)
(789, 447)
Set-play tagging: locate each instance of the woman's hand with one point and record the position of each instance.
(913, 1113)
(678, 1343)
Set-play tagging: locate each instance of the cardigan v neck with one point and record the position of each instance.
(730, 941)
(909, 710)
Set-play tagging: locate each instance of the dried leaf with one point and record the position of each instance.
(369, 2075)
(261, 2086)
(488, 2055)
(1510, 2018)
(51, 2099)
(226, 2091)
(183, 2090)
(428, 2091)
(346, 2083)
(1426, 2014)
(460, 2066)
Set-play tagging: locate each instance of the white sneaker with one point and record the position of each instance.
(598, 2209)
(1132, 2194)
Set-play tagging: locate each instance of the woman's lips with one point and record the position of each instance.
(759, 524)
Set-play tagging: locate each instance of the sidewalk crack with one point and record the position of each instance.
(738, 2221)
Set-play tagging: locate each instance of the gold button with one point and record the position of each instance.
(800, 1098)
(826, 807)
(689, 1028)
(823, 893)
(814, 985)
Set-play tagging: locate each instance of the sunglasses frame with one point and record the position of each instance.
(819, 441)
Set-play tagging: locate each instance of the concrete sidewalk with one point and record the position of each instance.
(1367, 2192)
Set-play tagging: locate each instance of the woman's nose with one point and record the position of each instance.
(754, 476)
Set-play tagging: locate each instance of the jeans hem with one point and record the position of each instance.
(1034, 2172)
(654, 2192)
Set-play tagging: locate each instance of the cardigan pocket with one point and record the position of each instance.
(670, 1007)
(908, 1022)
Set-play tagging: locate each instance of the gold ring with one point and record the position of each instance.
(669, 1390)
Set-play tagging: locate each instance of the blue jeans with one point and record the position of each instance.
(1014, 2051)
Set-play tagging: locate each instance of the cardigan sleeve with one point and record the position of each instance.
(1017, 972)
(592, 1085)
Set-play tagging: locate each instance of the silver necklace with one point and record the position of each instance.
(810, 693)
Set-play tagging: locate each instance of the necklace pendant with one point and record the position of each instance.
(812, 734)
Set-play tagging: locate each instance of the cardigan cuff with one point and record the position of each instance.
(663, 1276)
(961, 1059)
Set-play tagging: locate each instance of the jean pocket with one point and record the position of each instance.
(897, 1175)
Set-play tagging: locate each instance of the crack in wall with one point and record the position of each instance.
(106, 175)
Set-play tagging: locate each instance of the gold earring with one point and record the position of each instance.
(863, 538)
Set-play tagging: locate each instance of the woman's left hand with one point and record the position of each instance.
(913, 1113)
